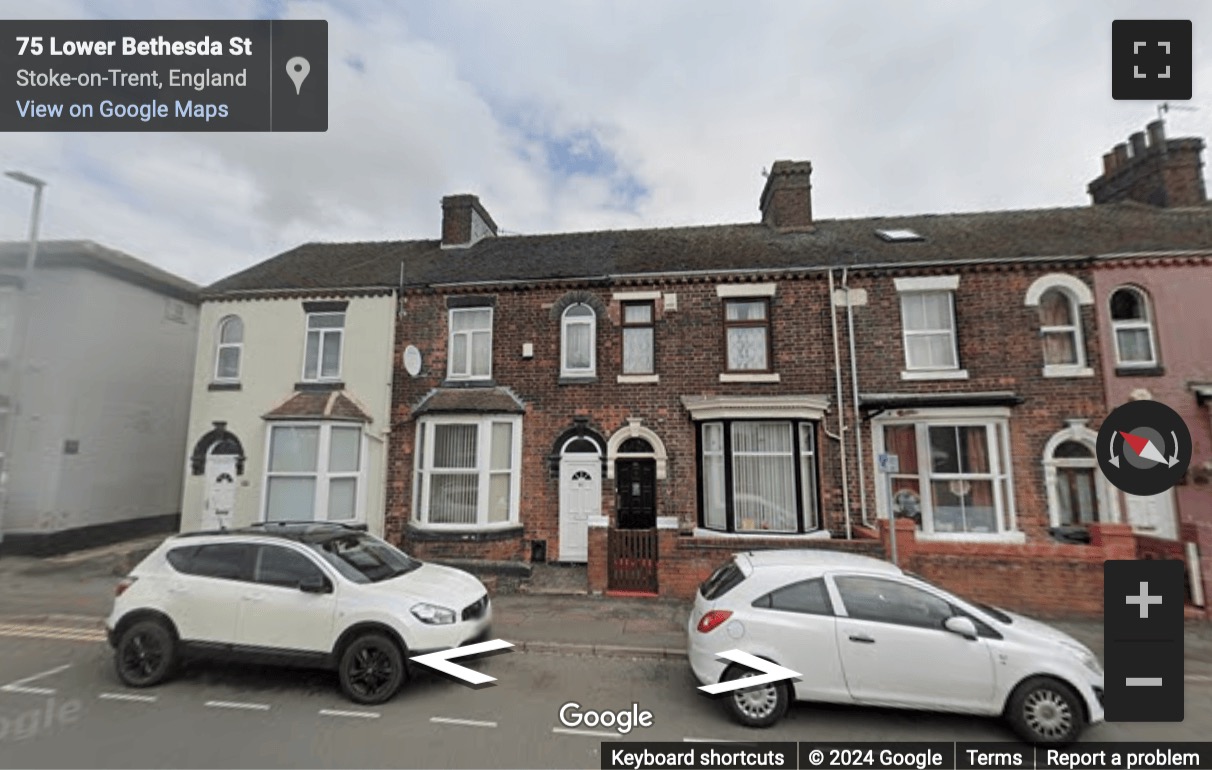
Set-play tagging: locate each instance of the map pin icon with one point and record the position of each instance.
(297, 68)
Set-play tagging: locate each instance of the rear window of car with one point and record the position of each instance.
(722, 581)
(181, 558)
(808, 597)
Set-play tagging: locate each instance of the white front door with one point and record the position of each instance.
(580, 498)
(220, 493)
(1152, 515)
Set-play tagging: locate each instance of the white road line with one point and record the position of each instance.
(465, 722)
(589, 733)
(229, 704)
(357, 714)
(1198, 678)
(125, 696)
(17, 685)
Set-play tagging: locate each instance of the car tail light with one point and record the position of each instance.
(712, 619)
(124, 584)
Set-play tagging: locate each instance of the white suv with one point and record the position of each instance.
(859, 630)
(299, 593)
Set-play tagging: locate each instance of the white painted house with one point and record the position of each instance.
(291, 396)
(94, 380)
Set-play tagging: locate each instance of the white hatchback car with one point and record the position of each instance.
(298, 593)
(861, 631)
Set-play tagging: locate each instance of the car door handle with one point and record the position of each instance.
(254, 597)
(861, 639)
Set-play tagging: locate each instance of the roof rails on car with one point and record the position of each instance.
(356, 526)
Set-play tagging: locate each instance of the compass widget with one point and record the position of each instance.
(1144, 447)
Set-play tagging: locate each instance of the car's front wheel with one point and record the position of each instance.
(371, 669)
(145, 654)
(759, 706)
(1046, 710)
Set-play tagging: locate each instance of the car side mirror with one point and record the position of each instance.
(958, 624)
(316, 584)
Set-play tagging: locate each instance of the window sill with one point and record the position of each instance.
(935, 374)
(463, 534)
(216, 386)
(636, 379)
(1015, 538)
(321, 386)
(1068, 371)
(469, 382)
(755, 377)
(577, 379)
(820, 534)
(1152, 370)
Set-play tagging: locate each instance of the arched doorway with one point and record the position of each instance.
(635, 484)
(580, 496)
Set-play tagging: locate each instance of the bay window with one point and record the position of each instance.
(953, 477)
(758, 476)
(314, 472)
(466, 471)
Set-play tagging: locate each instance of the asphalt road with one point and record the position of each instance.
(62, 706)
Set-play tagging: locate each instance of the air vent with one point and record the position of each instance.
(899, 236)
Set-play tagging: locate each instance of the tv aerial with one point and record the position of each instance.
(1165, 107)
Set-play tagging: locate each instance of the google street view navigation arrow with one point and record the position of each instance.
(771, 672)
(441, 660)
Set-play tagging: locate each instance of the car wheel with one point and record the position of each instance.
(759, 706)
(146, 654)
(371, 669)
(1046, 711)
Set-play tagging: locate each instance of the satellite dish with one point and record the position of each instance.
(412, 360)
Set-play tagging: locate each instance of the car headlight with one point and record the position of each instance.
(1086, 657)
(433, 614)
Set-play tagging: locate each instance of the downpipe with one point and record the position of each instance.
(841, 417)
(858, 422)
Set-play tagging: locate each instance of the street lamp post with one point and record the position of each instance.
(17, 342)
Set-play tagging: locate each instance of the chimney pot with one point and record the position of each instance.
(1157, 135)
(1138, 144)
(1109, 164)
(786, 202)
(1121, 155)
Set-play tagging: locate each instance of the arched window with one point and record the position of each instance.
(1132, 325)
(1060, 328)
(578, 354)
(229, 349)
(1077, 494)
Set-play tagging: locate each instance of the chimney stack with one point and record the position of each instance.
(786, 202)
(1158, 171)
(465, 221)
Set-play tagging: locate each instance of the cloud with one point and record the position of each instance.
(618, 113)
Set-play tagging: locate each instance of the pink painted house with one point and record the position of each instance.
(1154, 314)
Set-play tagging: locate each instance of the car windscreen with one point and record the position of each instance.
(722, 581)
(365, 559)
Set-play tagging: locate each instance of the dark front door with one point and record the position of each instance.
(636, 493)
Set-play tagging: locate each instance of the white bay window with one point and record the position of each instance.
(953, 478)
(314, 472)
(466, 471)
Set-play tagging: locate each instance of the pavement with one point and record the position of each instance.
(75, 591)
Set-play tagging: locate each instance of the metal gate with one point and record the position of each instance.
(632, 565)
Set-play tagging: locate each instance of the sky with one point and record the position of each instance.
(603, 114)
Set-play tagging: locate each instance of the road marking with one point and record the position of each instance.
(589, 733)
(466, 722)
(231, 704)
(51, 632)
(1198, 678)
(357, 714)
(127, 697)
(18, 686)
